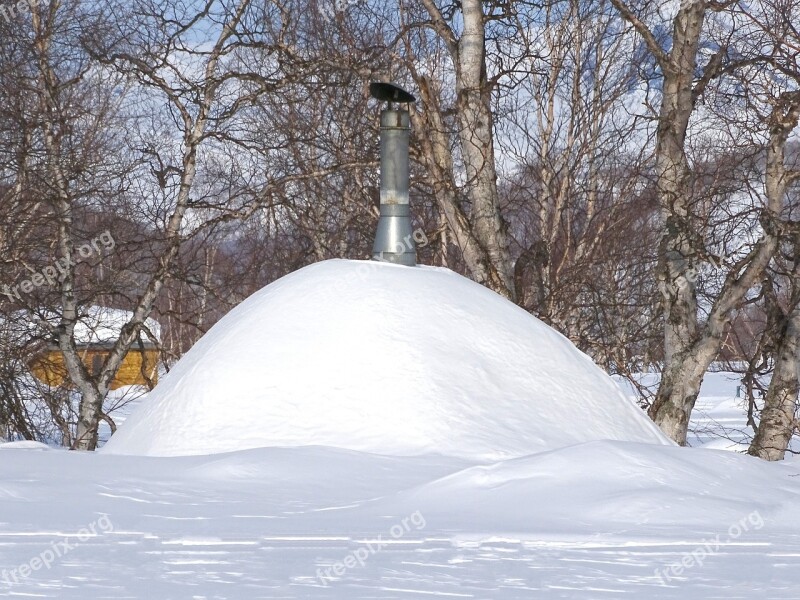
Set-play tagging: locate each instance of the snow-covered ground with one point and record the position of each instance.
(582, 498)
(596, 520)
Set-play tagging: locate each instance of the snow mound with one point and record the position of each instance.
(609, 486)
(381, 358)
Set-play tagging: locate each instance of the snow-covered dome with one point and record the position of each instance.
(381, 358)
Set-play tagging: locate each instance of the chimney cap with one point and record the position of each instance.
(389, 92)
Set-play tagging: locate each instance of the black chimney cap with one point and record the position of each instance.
(389, 92)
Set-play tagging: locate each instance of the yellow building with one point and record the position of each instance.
(139, 367)
(95, 334)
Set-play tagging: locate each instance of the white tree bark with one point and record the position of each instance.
(689, 345)
(779, 415)
(480, 234)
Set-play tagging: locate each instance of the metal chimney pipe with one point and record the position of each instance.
(394, 240)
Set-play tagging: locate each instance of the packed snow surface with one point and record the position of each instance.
(381, 358)
(594, 521)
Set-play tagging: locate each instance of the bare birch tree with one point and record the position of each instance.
(579, 210)
(690, 342)
(471, 209)
(189, 84)
(777, 22)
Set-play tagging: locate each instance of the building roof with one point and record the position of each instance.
(96, 326)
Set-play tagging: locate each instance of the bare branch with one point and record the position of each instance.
(440, 26)
(647, 35)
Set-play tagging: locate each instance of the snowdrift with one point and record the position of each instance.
(380, 358)
(594, 492)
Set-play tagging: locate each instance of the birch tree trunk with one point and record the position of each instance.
(479, 232)
(477, 146)
(194, 128)
(683, 364)
(689, 345)
(778, 417)
(54, 123)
